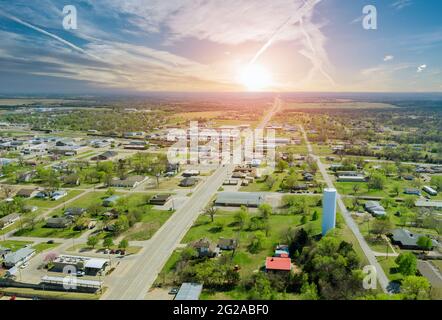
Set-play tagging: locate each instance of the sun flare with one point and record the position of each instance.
(255, 78)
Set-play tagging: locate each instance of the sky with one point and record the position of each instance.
(214, 45)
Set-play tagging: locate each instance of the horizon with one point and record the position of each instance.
(139, 47)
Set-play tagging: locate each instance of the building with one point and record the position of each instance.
(430, 191)
(17, 258)
(58, 195)
(412, 191)
(26, 193)
(58, 223)
(160, 199)
(429, 204)
(105, 156)
(91, 266)
(237, 199)
(282, 251)
(375, 208)
(205, 248)
(191, 173)
(188, 182)
(351, 178)
(407, 240)
(278, 264)
(189, 291)
(4, 251)
(329, 210)
(74, 282)
(130, 182)
(75, 212)
(227, 244)
(9, 219)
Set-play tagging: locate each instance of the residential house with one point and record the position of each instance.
(75, 212)
(408, 240)
(412, 191)
(105, 156)
(6, 221)
(56, 195)
(160, 199)
(27, 176)
(71, 180)
(189, 291)
(227, 244)
(130, 182)
(110, 201)
(26, 193)
(375, 208)
(58, 223)
(188, 182)
(205, 248)
(278, 264)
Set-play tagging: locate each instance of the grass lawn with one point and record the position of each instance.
(39, 231)
(259, 185)
(45, 246)
(438, 264)
(14, 245)
(46, 203)
(49, 295)
(389, 267)
(93, 197)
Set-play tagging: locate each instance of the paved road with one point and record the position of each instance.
(382, 278)
(133, 280)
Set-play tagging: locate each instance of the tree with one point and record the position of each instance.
(92, 241)
(270, 181)
(189, 253)
(381, 226)
(262, 288)
(309, 291)
(388, 202)
(315, 216)
(240, 217)
(425, 243)
(396, 189)
(356, 188)
(123, 245)
(409, 202)
(282, 165)
(303, 220)
(415, 288)
(266, 210)
(377, 181)
(108, 242)
(257, 242)
(407, 264)
(211, 211)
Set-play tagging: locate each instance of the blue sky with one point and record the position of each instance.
(205, 45)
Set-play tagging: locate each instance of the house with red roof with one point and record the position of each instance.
(276, 264)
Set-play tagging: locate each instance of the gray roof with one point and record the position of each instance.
(429, 204)
(240, 198)
(14, 257)
(407, 238)
(189, 291)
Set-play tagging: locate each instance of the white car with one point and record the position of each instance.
(24, 265)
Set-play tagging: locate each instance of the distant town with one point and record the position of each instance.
(92, 207)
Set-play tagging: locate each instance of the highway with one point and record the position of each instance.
(382, 278)
(134, 281)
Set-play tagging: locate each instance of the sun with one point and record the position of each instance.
(255, 78)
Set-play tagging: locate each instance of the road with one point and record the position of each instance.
(132, 281)
(382, 278)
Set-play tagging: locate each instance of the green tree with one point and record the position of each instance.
(315, 216)
(425, 243)
(240, 217)
(92, 241)
(257, 242)
(407, 264)
(123, 245)
(381, 226)
(309, 291)
(377, 181)
(108, 242)
(396, 189)
(282, 165)
(262, 288)
(415, 288)
(303, 220)
(266, 210)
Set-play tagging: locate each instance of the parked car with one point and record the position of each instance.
(173, 291)
(80, 273)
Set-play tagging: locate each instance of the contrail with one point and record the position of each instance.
(53, 36)
(309, 4)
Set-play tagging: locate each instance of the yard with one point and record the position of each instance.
(14, 245)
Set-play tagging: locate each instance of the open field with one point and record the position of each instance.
(339, 105)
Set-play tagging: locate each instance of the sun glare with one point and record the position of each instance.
(255, 78)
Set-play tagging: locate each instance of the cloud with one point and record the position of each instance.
(421, 68)
(388, 58)
(400, 4)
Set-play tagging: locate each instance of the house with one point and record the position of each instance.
(108, 202)
(129, 182)
(237, 199)
(4, 251)
(9, 219)
(308, 176)
(26, 193)
(407, 240)
(205, 248)
(428, 204)
(105, 156)
(56, 195)
(278, 264)
(27, 176)
(17, 258)
(188, 182)
(71, 180)
(412, 191)
(160, 199)
(75, 212)
(408, 178)
(58, 223)
(300, 187)
(227, 244)
(375, 208)
(189, 291)
(430, 191)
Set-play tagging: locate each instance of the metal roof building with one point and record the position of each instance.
(248, 199)
(18, 257)
(189, 291)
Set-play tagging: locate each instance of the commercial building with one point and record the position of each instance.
(375, 208)
(189, 291)
(90, 266)
(237, 199)
(17, 258)
(329, 210)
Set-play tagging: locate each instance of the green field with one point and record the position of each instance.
(14, 245)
